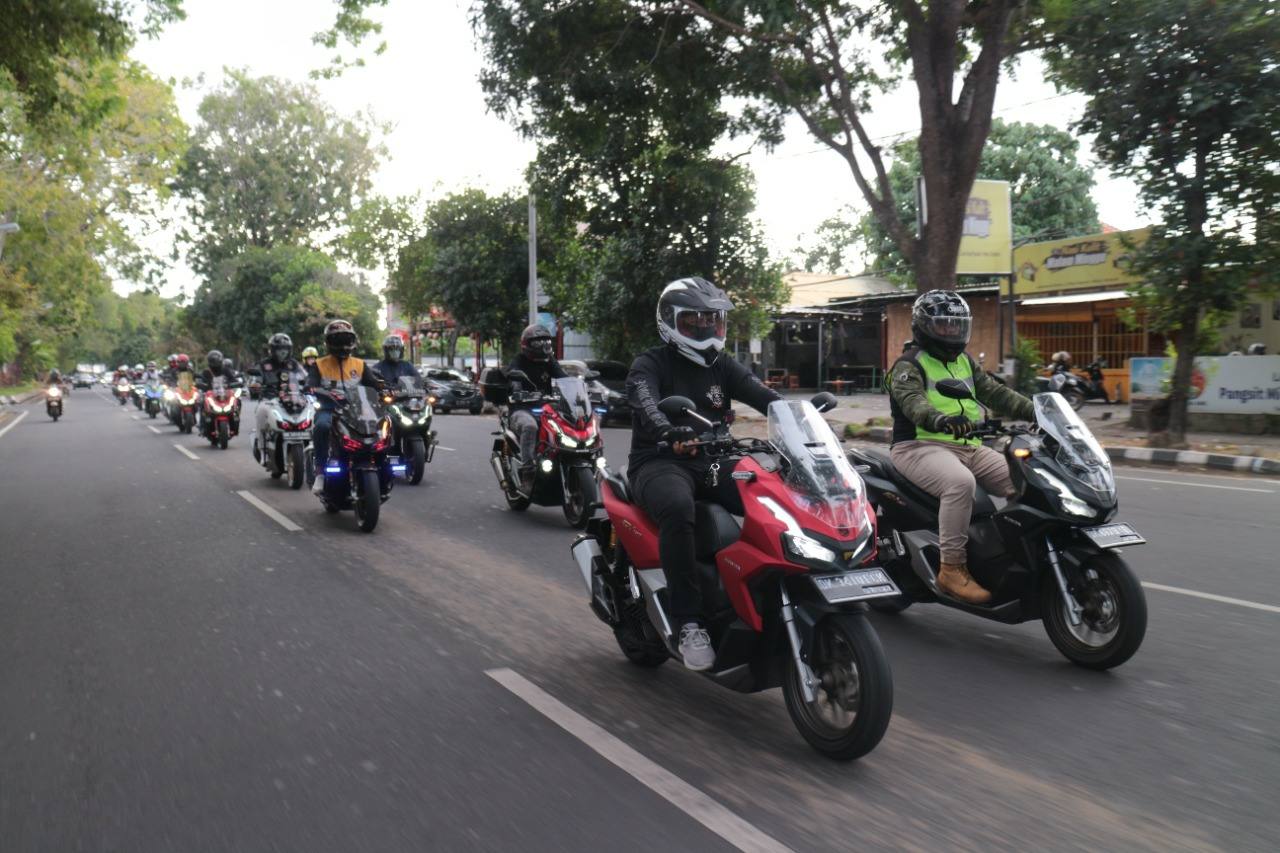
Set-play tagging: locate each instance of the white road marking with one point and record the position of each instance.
(185, 452)
(665, 784)
(136, 417)
(270, 511)
(153, 429)
(450, 449)
(13, 423)
(1240, 602)
(1200, 485)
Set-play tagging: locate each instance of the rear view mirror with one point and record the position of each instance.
(675, 407)
(824, 401)
(953, 388)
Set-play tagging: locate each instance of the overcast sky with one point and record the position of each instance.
(425, 85)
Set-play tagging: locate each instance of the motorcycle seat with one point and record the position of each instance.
(714, 529)
(883, 467)
(621, 487)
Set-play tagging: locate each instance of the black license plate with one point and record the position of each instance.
(855, 586)
(1115, 535)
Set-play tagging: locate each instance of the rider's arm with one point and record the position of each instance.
(906, 386)
(556, 371)
(372, 378)
(643, 382)
(744, 385)
(1002, 398)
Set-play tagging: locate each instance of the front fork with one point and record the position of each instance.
(808, 681)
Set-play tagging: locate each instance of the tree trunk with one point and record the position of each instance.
(1185, 341)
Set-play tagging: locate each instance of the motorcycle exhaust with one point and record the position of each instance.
(496, 461)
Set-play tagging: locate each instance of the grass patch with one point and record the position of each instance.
(863, 430)
(19, 389)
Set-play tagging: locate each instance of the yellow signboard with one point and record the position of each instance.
(1095, 261)
(988, 230)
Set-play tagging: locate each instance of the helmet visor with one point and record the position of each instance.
(701, 325)
(340, 340)
(952, 330)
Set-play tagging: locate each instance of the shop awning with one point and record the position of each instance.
(1074, 298)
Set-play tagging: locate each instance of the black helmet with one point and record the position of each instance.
(535, 343)
(280, 347)
(55, 375)
(942, 322)
(215, 360)
(340, 338)
(692, 317)
(393, 348)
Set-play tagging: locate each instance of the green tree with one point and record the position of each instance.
(1183, 99)
(270, 164)
(1048, 190)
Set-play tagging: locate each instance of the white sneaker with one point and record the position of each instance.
(695, 647)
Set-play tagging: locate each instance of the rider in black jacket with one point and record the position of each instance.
(691, 319)
(393, 367)
(535, 361)
(276, 369)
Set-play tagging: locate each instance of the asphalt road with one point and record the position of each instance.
(181, 672)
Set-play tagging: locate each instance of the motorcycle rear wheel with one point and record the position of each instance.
(638, 639)
(369, 501)
(296, 466)
(1115, 618)
(855, 689)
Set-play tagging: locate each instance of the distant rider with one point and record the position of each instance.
(276, 369)
(535, 361)
(692, 315)
(218, 367)
(393, 367)
(309, 357)
(932, 446)
(340, 369)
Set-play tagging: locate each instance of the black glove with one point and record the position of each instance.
(958, 426)
(674, 435)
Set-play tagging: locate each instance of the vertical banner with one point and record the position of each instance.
(986, 246)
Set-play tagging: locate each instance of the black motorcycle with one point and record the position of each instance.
(358, 472)
(411, 434)
(1095, 387)
(1049, 553)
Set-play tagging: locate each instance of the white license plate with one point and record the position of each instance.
(855, 586)
(1115, 535)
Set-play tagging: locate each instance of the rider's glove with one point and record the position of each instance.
(958, 425)
(674, 435)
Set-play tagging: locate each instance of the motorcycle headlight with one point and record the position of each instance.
(406, 421)
(55, 393)
(807, 548)
(567, 441)
(1070, 502)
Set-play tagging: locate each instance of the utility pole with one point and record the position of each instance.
(533, 260)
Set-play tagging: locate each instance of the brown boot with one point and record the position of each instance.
(954, 580)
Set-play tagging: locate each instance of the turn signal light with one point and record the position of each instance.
(1021, 453)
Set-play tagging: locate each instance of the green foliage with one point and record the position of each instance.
(270, 164)
(1048, 189)
(1028, 357)
(1183, 99)
(288, 289)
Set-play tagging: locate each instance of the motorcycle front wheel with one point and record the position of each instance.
(579, 496)
(854, 699)
(1074, 397)
(296, 466)
(1114, 620)
(369, 501)
(417, 460)
(224, 434)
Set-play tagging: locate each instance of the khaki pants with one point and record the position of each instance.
(949, 472)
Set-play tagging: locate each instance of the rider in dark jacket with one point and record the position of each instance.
(691, 319)
(393, 367)
(535, 361)
(339, 369)
(279, 365)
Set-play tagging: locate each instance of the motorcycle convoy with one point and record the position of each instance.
(828, 534)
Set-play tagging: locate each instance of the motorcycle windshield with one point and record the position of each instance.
(291, 391)
(1079, 453)
(364, 409)
(410, 385)
(219, 386)
(814, 467)
(574, 402)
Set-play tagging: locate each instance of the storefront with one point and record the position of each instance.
(830, 348)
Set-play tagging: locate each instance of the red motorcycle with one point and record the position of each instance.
(184, 405)
(784, 593)
(221, 413)
(568, 453)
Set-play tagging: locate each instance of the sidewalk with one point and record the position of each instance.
(865, 417)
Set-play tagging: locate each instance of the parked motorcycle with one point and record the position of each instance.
(1066, 383)
(153, 397)
(409, 408)
(785, 594)
(1050, 553)
(569, 450)
(358, 473)
(281, 445)
(221, 417)
(1095, 387)
(53, 402)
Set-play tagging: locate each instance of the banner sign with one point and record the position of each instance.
(1229, 384)
(986, 243)
(1096, 261)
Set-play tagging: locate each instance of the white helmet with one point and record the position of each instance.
(692, 317)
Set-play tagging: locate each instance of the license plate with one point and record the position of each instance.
(854, 586)
(1115, 535)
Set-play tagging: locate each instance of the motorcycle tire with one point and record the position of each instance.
(296, 466)
(55, 416)
(369, 501)
(224, 435)
(637, 637)
(1115, 618)
(580, 497)
(1074, 397)
(417, 460)
(153, 414)
(846, 656)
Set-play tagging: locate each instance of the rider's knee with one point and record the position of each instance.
(960, 484)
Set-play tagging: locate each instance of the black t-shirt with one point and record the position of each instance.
(664, 372)
(539, 372)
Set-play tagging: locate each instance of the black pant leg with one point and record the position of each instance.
(665, 490)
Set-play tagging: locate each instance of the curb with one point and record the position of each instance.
(1155, 456)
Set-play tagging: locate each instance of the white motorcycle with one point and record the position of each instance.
(283, 436)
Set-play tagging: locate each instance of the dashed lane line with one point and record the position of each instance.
(270, 511)
(664, 783)
(153, 429)
(185, 452)
(1209, 596)
(13, 423)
